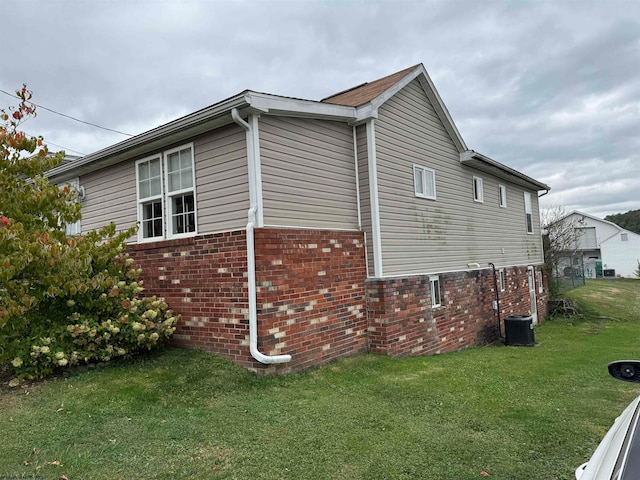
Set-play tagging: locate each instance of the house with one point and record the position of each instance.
(604, 248)
(290, 232)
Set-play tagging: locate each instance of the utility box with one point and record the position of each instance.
(518, 331)
(609, 272)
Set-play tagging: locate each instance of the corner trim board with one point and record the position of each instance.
(376, 239)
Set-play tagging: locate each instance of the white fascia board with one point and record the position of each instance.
(365, 113)
(441, 109)
(132, 146)
(299, 108)
(370, 110)
(469, 156)
(200, 121)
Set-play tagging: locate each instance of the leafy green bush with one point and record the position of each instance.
(63, 300)
(89, 313)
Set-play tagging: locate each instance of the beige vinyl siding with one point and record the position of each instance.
(365, 192)
(222, 184)
(110, 197)
(422, 236)
(308, 173)
(222, 191)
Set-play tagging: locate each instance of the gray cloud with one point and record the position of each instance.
(549, 88)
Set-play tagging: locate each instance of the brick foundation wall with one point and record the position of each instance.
(314, 301)
(204, 280)
(402, 321)
(515, 299)
(310, 293)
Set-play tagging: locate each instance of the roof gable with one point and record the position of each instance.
(368, 97)
(611, 229)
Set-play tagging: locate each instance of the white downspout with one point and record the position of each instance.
(251, 257)
(355, 157)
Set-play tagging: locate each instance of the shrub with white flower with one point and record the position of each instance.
(107, 321)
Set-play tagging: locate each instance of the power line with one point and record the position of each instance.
(59, 146)
(68, 116)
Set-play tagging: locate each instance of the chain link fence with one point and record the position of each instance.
(569, 273)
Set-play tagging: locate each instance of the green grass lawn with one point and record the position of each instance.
(512, 412)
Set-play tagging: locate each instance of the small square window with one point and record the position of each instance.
(501, 279)
(624, 237)
(424, 182)
(478, 193)
(435, 291)
(502, 192)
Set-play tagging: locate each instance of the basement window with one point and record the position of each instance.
(434, 280)
(501, 279)
(424, 182)
(540, 286)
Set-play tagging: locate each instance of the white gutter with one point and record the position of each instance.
(156, 134)
(251, 253)
(469, 156)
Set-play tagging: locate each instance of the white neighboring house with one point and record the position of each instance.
(617, 248)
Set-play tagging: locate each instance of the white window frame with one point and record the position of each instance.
(165, 197)
(423, 171)
(502, 280)
(478, 190)
(168, 195)
(528, 213)
(540, 286)
(502, 195)
(142, 201)
(434, 282)
(75, 228)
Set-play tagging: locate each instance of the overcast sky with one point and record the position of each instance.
(551, 88)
